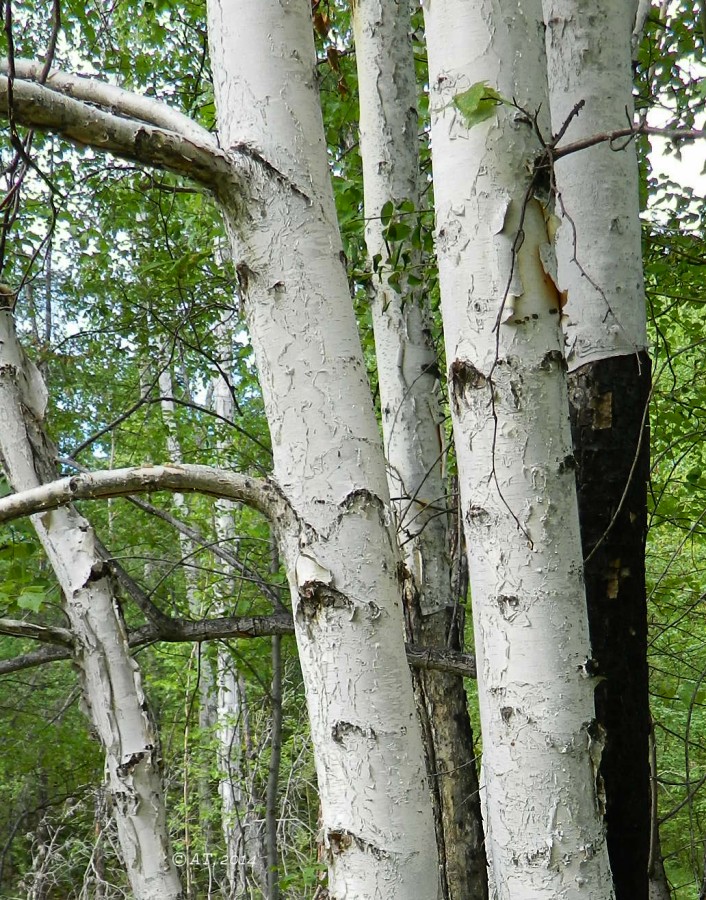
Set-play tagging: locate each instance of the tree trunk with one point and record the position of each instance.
(412, 422)
(110, 678)
(600, 269)
(273, 774)
(344, 568)
(507, 384)
(206, 678)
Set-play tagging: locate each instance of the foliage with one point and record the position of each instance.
(120, 272)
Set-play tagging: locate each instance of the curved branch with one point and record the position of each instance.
(113, 99)
(186, 479)
(41, 108)
(33, 659)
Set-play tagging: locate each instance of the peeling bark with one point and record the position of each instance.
(507, 383)
(110, 678)
(412, 423)
(327, 454)
(600, 272)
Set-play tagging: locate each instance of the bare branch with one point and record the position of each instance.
(33, 659)
(183, 630)
(46, 634)
(41, 108)
(270, 591)
(113, 99)
(608, 137)
(223, 628)
(259, 494)
(441, 660)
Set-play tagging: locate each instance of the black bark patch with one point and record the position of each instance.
(506, 713)
(315, 596)
(99, 570)
(551, 359)
(341, 730)
(508, 605)
(361, 498)
(608, 399)
(476, 514)
(589, 668)
(341, 840)
(463, 378)
(243, 274)
(568, 464)
(125, 768)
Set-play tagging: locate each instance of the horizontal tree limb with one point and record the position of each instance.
(46, 634)
(38, 107)
(259, 494)
(230, 627)
(114, 100)
(630, 131)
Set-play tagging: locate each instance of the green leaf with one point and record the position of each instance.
(397, 231)
(386, 212)
(477, 103)
(32, 599)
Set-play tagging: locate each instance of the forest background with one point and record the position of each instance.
(125, 297)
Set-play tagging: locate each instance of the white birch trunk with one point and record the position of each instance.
(599, 258)
(110, 678)
(598, 244)
(206, 678)
(376, 812)
(242, 827)
(405, 355)
(544, 835)
(412, 430)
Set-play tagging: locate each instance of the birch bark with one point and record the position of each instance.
(343, 569)
(246, 853)
(600, 268)
(110, 679)
(412, 420)
(544, 833)
(206, 677)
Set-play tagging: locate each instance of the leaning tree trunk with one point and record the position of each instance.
(412, 422)
(110, 678)
(344, 569)
(600, 269)
(507, 383)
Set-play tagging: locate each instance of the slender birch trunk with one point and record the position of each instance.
(599, 258)
(507, 383)
(110, 678)
(206, 678)
(412, 420)
(344, 567)
(246, 851)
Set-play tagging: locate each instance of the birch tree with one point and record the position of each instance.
(110, 679)
(246, 852)
(327, 454)
(407, 371)
(506, 369)
(339, 547)
(604, 318)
